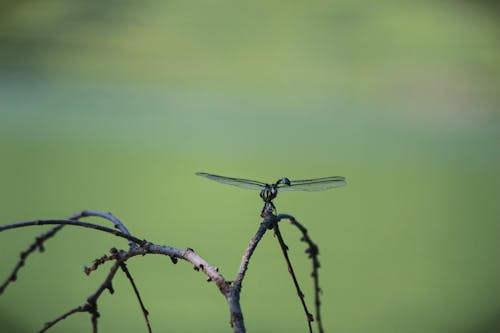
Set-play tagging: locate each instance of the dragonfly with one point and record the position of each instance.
(268, 192)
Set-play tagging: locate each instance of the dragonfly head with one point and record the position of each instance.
(269, 192)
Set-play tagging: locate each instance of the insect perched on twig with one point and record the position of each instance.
(268, 192)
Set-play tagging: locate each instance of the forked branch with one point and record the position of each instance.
(38, 243)
(138, 247)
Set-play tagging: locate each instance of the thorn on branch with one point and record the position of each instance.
(197, 268)
(110, 288)
(174, 260)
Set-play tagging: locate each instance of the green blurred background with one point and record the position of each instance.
(115, 105)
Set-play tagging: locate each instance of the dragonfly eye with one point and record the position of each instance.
(284, 180)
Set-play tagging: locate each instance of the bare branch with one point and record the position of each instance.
(145, 312)
(100, 261)
(73, 223)
(39, 240)
(37, 244)
(145, 247)
(230, 290)
(233, 297)
(81, 308)
(188, 255)
(313, 252)
(91, 305)
(284, 249)
(107, 216)
(264, 226)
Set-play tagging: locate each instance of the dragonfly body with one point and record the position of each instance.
(268, 192)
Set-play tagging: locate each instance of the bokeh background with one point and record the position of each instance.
(115, 105)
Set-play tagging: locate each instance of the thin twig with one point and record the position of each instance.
(145, 312)
(80, 308)
(39, 241)
(284, 249)
(114, 255)
(233, 297)
(73, 223)
(37, 244)
(107, 284)
(91, 304)
(96, 263)
(263, 227)
(107, 216)
(313, 252)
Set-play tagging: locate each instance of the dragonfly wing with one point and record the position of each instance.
(318, 184)
(238, 182)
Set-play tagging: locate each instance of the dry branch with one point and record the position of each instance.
(37, 244)
(138, 247)
(313, 253)
(284, 250)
